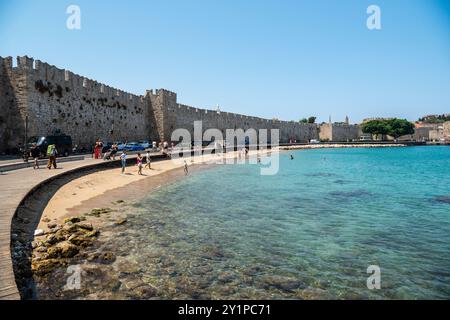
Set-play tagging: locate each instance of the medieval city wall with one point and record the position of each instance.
(339, 132)
(214, 119)
(13, 96)
(55, 100)
(59, 100)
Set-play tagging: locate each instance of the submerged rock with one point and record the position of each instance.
(442, 199)
(85, 226)
(80, 239)
(51, 240)
(42, 267)
(102, 257)
(121, 222)
(282, 283)
(99, 211)
(63, 250)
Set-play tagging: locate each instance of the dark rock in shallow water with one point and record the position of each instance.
(102, 257)
(226, 277)
(74, 219)
(252, 270)
(63, 250)
(145, 292)
(340, 181)
(282, 283)
(360, 193)
(99, 211)
(85, 226)
(80, 239)
(43, 267)
(213, 252)
(320, 174)
(442, 199)
(120, 222)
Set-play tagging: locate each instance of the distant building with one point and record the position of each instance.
(433, 118)
(430, 132)
(373, 119)
(339, 131)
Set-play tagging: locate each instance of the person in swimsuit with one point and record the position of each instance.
(139, 163)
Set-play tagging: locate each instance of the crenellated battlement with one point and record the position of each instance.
(59, 100)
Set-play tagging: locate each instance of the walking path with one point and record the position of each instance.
(14, 186)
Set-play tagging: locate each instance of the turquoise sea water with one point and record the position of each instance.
(310, 231)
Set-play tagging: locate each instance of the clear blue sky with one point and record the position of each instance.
(284, 59)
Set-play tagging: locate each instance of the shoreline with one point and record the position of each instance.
(341, 145)
(103, 188)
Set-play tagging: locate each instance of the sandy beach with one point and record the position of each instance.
(104, 188)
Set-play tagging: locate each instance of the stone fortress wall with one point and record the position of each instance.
(339, 132)
(57, 100)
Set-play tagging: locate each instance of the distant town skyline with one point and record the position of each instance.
(273, 59)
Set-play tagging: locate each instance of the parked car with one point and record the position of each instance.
(133, 146)
(145, 144)
(120, 146)
(63, 144)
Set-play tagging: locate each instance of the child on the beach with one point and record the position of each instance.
(139, 163)
(123, 160)
(148, 161)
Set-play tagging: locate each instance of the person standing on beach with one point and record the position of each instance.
(35, 153)
(148, 160)
(51, 153)
(97, 150)
(123, 160)
(186, 169)
(100, 149)
(139, 163)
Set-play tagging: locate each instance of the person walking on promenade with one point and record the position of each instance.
(139, 163)
(148, 161)
(51, 153)
(123, 160)
(35, 153)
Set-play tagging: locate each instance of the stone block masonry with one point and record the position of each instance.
(339, 132)
(57, 100)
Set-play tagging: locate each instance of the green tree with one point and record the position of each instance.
(375, 127)
(304, 120)
(312, 119)
(399, 127)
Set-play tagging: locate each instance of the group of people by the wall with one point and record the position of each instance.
(52, 153)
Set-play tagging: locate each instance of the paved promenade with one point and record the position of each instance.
(14, 186)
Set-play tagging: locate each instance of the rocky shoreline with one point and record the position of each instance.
(61, 245)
